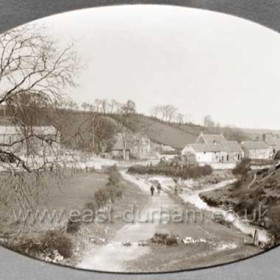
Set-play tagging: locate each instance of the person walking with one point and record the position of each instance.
(158, 188)
(152, 189)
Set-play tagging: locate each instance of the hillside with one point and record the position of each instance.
(161, 132)
(259, 197)
(76, 128)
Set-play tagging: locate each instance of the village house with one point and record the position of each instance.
(272, 141)
(257, 150)
(131, 146)
(210, 138)
(27, 140)
(223, 152)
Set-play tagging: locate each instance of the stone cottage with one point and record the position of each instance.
(257, 150)
(223, 152)
(130, 145)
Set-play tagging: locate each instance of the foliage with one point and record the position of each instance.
(73, 226)
(113, 189)
(242, 168)
(185, 172)
(165, 239)
(46, 246)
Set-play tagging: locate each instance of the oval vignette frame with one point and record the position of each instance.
(267, 19)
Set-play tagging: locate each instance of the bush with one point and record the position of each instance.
(46, 246)
(73, 226)
(165, 239)
(113, 189)
(101, 197)
(114, 175)
(242, 168)
(90, 206)
(244, 206)
(274, 215)
(212, 202)
(185, 172)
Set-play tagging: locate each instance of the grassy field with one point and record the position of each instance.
(49, 227)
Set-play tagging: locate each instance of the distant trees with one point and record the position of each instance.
(180, 118)
(104, 106)
(208, 122)
(170, 114)
(167, 113)
(102, 128)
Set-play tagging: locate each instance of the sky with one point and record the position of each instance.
(199, 61)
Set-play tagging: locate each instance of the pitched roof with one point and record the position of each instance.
(272, 140)
(213, 138)
(119, 145)
(254, 145)
(227, 146)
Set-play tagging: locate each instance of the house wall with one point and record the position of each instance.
(142, 148)
(118, 154)
(212, 157)
(205, 157)
(259, 153)
(231, 156)
(38, 146)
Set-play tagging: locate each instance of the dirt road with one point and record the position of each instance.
(206, 242)
(114, 255)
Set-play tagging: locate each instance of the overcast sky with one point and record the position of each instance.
(202, 62)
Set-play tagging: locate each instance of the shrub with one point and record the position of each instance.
(242, 168)
(114, 175)
(54, 240)
(101, 197)
(165, 239)
(73, 226)
(46, 246)
(90, 205)
(185, 172)
(212, 202)
(244, 206)
(113, 189)
(274, 215)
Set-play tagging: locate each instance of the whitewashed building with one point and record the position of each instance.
(26, 140)
(257, 150)
(210, 138)
(272, 141)
(223, 152)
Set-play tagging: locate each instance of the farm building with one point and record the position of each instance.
(210, 138)
(28, 140)
(272, 141)
(223, 152)
(131, 146)
(257, 150)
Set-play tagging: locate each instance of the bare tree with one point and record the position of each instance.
(32, 63)
(208, 122)
(104, 106)
(180, 118)
(85, 106)
(155, 111)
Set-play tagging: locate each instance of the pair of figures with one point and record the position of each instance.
(152, 189)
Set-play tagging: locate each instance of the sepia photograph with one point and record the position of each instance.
(140, 139)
